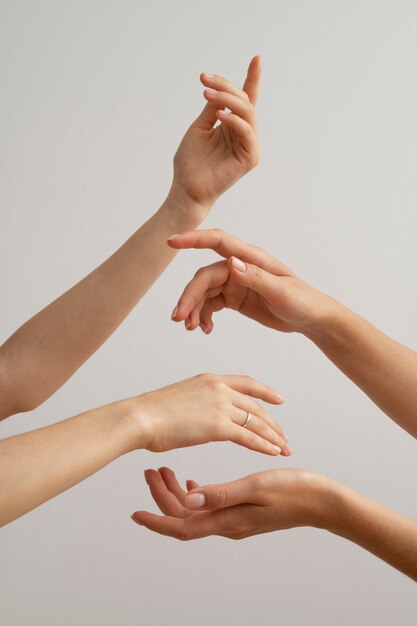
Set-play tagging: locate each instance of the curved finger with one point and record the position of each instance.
(198, 525)
(166, 501)
(250, 405)
(172, 484)
(252, 387)
(257, 425)
(215, 297)
(221, 84)
(222, 99)
(213, 305)
(191, 484)
(207, 277)
(244, 132)
(248, 439)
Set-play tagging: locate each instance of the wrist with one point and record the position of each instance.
(330, 318)
(135, 423)
(324, 503)
(185, 212)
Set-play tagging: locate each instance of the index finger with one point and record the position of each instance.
(251, 84)
(227, 245)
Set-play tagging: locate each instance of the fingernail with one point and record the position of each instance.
(146, 476)
(285, 437)
(135, 520)
(212, 92)
(276, 449)
(188, 324)
(289, 450)
(195, 500)
(224, 113)
(172, 237)
(279, 397)
(204, 328)
(238, 264)
(174, 312)
(210, 76)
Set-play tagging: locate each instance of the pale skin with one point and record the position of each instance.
(38, 465)
(252, 282)
(41, 355)
(278, 500)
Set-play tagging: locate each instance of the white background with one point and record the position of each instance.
(95, 97)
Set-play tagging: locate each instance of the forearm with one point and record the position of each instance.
(384, 369)
(41, 355)
(40, 464)
(389, 535)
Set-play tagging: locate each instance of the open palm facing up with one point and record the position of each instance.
(258, 503)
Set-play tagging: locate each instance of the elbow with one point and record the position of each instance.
(13, 398)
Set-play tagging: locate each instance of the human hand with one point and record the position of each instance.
(210, 160)
(249, 281)
(206, 408)
(259, 503)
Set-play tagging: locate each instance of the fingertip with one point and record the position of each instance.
(136, 519)
(148, 475)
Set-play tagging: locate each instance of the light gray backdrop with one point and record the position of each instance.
(95, 97)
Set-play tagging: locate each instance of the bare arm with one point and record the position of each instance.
(383, 368)
(277, 500)
(38, 465)
(41, 355)
(259, 286)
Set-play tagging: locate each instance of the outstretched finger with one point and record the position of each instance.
(251, 84)
(226, 245)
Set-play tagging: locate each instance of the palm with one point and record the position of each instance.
(209, 161)
(256, 307)
(212, 156)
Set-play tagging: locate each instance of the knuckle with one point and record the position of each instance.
(201, 271)
(222, 499)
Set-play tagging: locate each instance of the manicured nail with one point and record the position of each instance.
(211, 92)
(289, 450)
(238, 264)
(276, 449)
(204, 328)
(172, 237)
(187, 324)
(224, 113)
(174, 312)
(279, 397)
(209, 76)
(285, 437)
(195, 500)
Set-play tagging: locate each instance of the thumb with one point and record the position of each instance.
(254, 277)
(221, 496)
